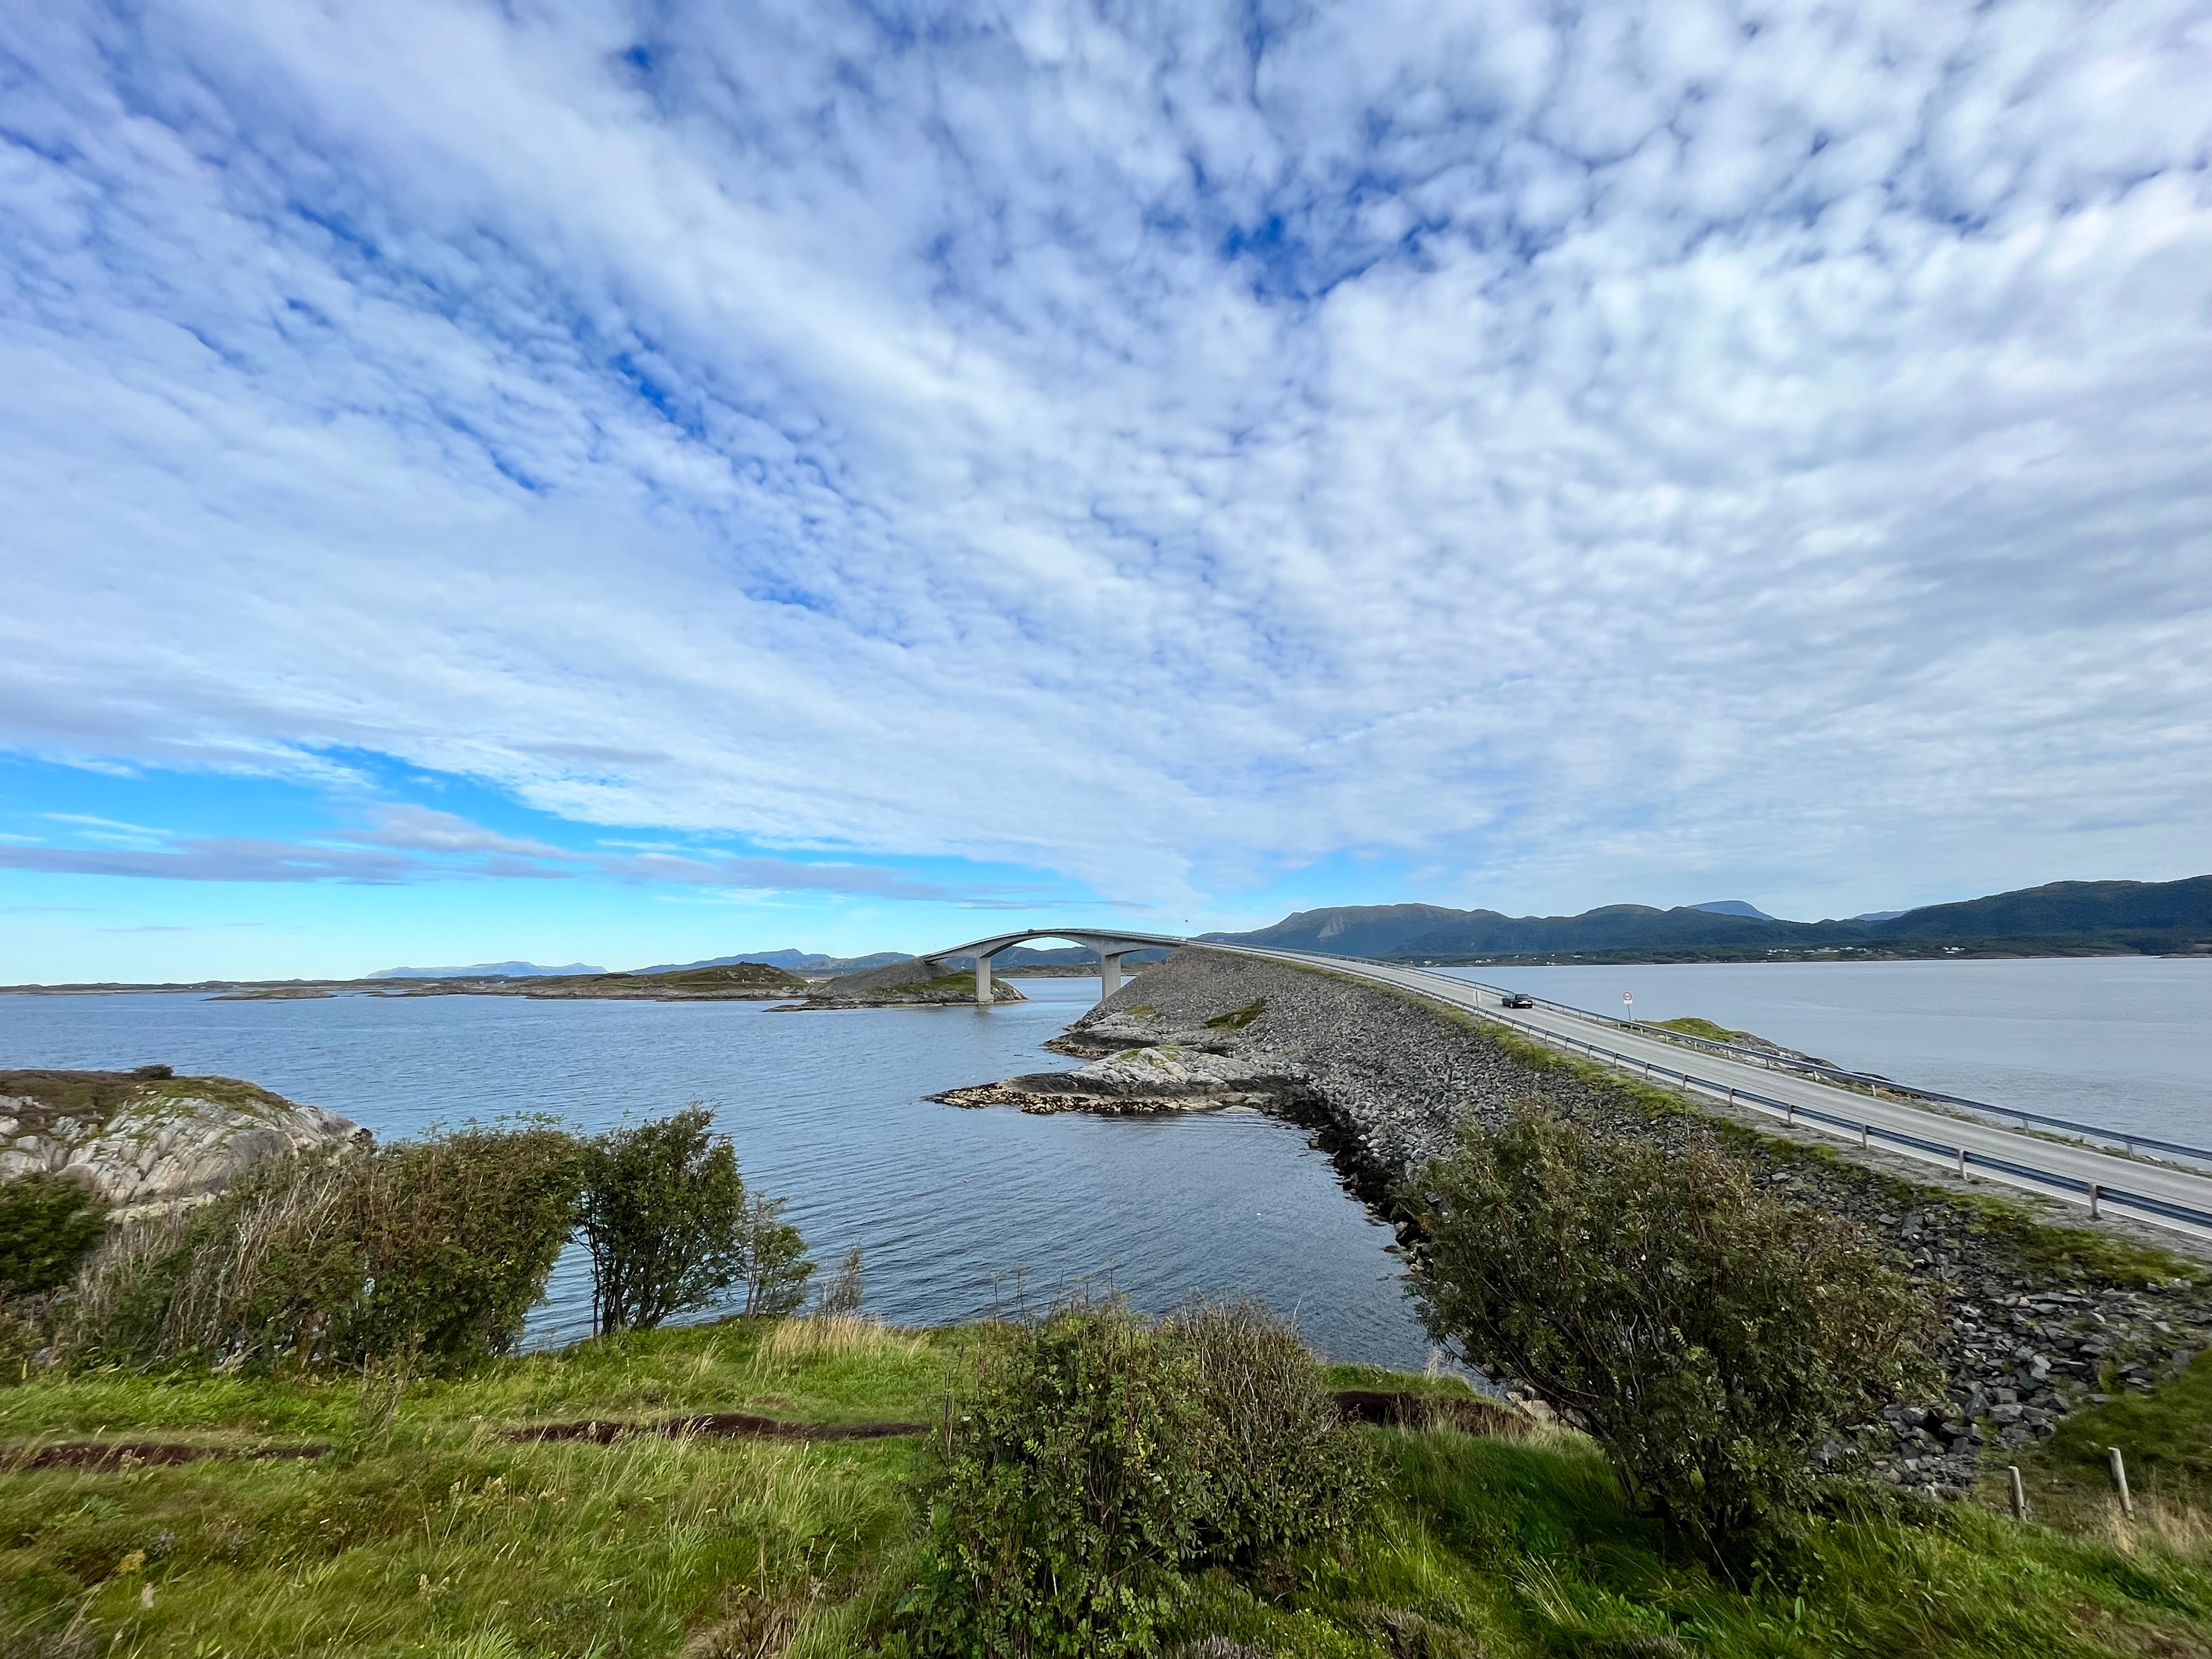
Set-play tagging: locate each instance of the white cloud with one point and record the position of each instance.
(1572, 448)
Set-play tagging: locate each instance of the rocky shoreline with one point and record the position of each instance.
(1143, 1082)
(2042, 1314)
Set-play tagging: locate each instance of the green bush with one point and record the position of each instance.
(1068, 1496)
(48, 1224)
(664, 1216)
(1708, 1338)
(432, 1251)
(1100, 1458)
(1282, 1469)
(776, 1267)
(459, 1233)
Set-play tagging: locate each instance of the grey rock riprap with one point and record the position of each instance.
(142, 1141)
(1385, 1081)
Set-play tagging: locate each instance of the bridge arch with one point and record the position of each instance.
(1110, 944)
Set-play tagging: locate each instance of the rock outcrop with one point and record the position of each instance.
(145, 1139)
(1139, 1082)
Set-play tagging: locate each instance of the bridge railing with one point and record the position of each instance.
(1963, 1159)
(1820, 1073)
(2022, 1170)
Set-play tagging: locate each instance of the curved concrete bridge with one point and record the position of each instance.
(1110, 944)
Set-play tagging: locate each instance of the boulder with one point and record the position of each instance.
(139, 1139)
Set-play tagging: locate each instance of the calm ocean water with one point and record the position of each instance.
(958, 1210)
(955, 1209)
(2123, 1042)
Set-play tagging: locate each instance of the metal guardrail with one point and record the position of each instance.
(2098, 1192)
(1814, 1069)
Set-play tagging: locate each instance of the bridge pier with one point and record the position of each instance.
(1110, 973)
(983, 998)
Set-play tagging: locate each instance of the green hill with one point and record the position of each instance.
(2059, 917)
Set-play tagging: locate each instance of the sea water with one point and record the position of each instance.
(957, 1211)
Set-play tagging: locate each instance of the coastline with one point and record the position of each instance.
(2046, 1316)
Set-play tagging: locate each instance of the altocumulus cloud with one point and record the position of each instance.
(1162, 446)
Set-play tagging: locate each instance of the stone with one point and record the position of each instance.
(143, 1142)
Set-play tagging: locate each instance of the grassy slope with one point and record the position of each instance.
(1691, 1026)
(427, 1533)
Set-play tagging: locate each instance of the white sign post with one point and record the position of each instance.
(1628, 1003)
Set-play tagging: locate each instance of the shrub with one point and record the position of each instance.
(48, 1224)
(776, 1267)
(1100, 1458)
(664, 1216)
(1283, 1469)
(1708, 1337)
(459, 1233)
(840, 1297)
(433, 1251)
(1068, 1495)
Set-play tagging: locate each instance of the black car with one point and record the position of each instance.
(1517, 999)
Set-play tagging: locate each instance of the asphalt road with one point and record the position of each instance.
(2123, 1185)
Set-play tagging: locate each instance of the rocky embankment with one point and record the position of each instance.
(145, 1139)
(2042, 1315)
(903, 984)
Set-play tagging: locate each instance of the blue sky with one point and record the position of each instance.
(623, 483)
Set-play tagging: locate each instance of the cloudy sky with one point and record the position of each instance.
(625, 483)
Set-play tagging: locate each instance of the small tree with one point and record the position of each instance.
(1707, 1336)
(1284, 1467)
(840, 1297)
(664, 1215)
(48, 1224)
(776, 1267)
(459, 1233)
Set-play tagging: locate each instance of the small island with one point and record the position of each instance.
(908, 982)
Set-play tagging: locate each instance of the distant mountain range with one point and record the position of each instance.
(794, 961)
(486, 970)
(1734, 907)
(2064, 918)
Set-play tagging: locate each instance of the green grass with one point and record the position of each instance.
(1237, 1018)
(2165, 1438)
(426, 1532)
(739, 976)
(962, 980)
(425, 1529)
(1691, 1026)
(1505, 1548)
